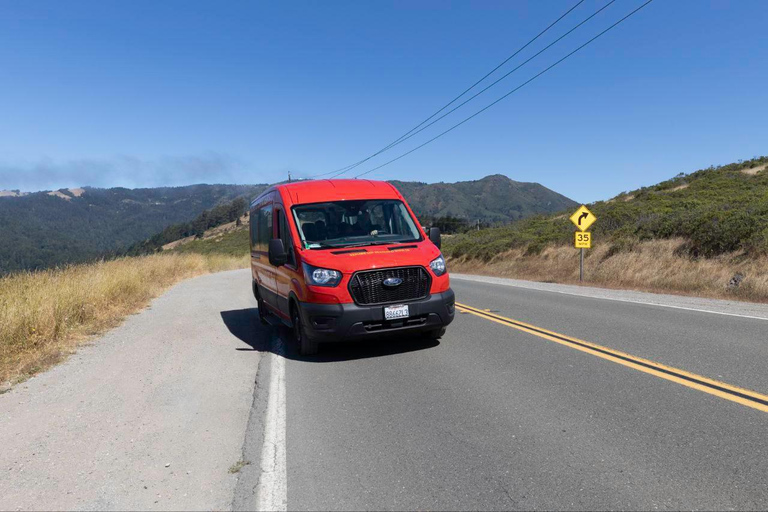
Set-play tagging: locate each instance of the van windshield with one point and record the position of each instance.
(353, 223)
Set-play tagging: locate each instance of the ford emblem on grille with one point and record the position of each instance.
(392, 282)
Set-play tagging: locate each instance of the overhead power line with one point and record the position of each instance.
(550, 45)
(507, 94)
(399, 139)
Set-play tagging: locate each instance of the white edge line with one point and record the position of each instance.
(467, 277)
(271, 490)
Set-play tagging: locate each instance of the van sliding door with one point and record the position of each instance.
(265, 271)
(284, 274)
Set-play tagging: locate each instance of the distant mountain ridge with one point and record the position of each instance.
(12, 193)
(43, 229)
(48, 228)
(493, 199)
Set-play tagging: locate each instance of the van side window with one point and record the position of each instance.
(284, 233)
(253, 225)
(265, 227)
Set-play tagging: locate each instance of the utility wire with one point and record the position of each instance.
(351, 166)
(507, 94)
(550, 45)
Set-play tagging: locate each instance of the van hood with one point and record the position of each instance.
(351, 259)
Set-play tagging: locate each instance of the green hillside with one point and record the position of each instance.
(717, 210)
(452, 206)
(493, 199)
(44, 229)
(231, 243)
(220, 214)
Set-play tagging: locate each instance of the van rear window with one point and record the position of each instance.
(355, 223)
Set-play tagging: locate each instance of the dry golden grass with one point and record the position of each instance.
(45, 315)
(651, 266)
(675, 189)
(754, 170)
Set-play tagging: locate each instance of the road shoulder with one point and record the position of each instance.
(151, 415)
(714, 306)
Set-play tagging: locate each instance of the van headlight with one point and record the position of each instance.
(438, 265)
(317, 276)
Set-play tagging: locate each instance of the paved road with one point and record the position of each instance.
(498, 415)
(169, 386)
(496, 418)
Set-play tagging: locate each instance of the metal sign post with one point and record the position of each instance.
(581, 265)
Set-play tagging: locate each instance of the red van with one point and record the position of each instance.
(344, 260)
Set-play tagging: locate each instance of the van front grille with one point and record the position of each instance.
(367, 287)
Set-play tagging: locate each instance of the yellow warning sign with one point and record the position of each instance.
(583, 240)
(583, 218)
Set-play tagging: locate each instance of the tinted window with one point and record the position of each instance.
(364, 222)
(264, 228)
(284, 234)
(253, 216)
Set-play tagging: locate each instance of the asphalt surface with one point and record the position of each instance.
(488, 418)
(494, 418)
(149, 417)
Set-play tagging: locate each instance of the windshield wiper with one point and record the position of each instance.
(326, 245)
(375, 242)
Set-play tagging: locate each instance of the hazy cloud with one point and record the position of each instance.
(125, 171)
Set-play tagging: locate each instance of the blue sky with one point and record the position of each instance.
(115, 93)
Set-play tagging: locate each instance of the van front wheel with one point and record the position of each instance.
(307, 346)
(262, 311)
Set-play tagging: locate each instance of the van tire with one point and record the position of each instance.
(260, 305)
(434, 334)
(307, 346)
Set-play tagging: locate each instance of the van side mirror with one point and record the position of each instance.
(434, 236)
(277, 255)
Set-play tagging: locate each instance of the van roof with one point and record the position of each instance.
(317, 191)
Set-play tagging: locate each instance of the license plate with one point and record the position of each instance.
(394, 312)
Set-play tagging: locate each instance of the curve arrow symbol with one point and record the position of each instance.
(583, 216)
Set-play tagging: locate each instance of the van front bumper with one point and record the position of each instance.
(344, 322)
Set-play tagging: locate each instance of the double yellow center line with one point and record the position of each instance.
(713, 387)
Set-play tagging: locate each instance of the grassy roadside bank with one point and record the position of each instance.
(655, 266)
(45, 315)
(688, 235)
